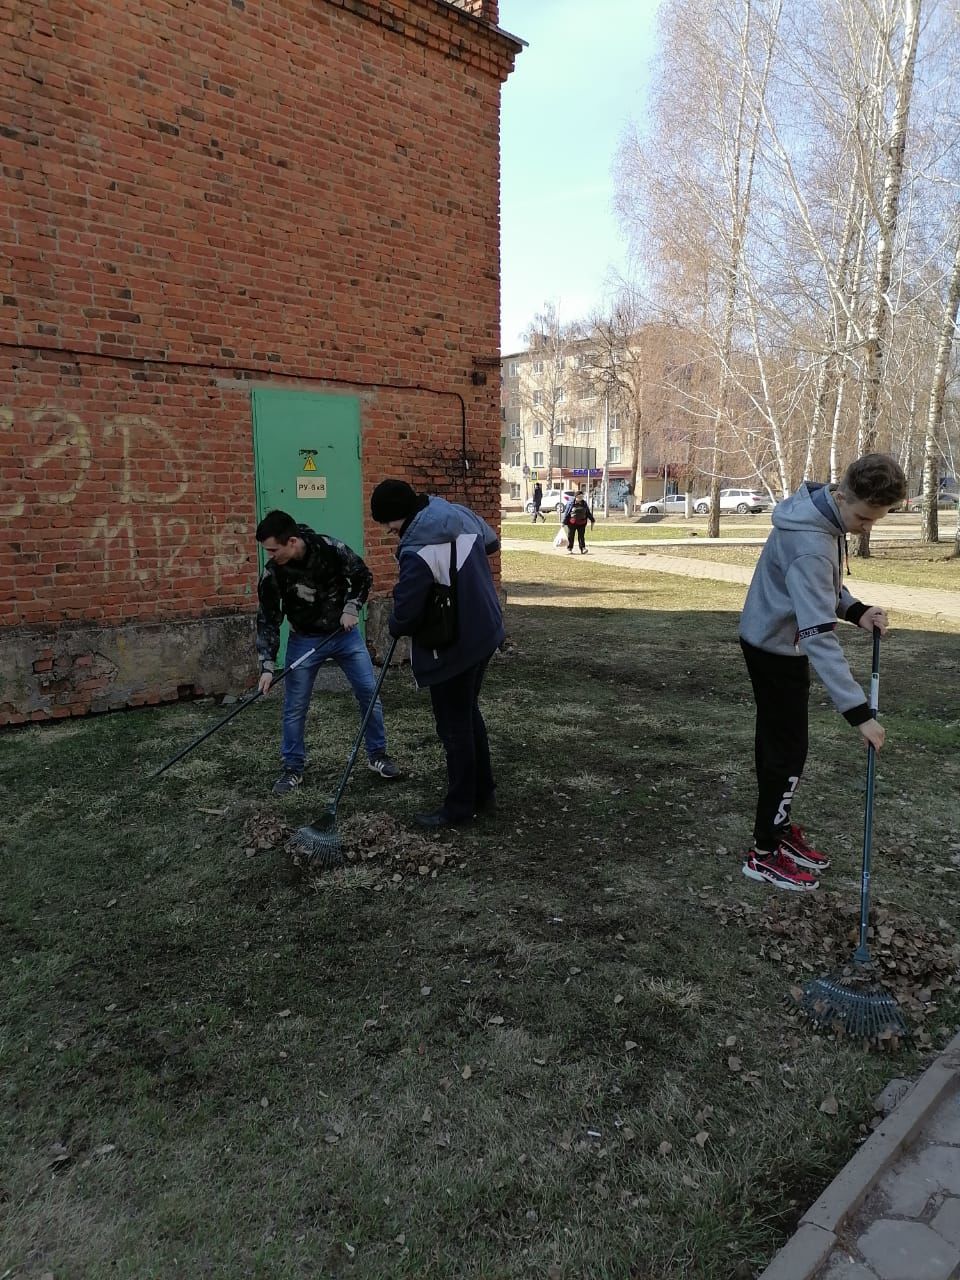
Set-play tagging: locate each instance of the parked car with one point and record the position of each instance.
(740, 500)
(555, 498)
(673, 503)
(946, 501)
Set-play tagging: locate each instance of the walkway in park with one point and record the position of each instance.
(644, 557)
(893, 1211)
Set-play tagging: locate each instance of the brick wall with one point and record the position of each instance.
(198, 198)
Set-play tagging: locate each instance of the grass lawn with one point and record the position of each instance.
(906, 564)
(550, 1045)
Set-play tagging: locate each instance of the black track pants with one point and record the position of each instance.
(781, 689)
(461, 729)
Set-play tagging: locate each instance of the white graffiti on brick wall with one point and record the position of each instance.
(143, 466)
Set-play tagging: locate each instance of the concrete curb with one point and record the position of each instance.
(805, 1252)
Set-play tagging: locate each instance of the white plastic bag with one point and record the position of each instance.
(561, 539)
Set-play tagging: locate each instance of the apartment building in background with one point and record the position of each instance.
(554, 398)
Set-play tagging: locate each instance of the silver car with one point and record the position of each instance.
(672, 504)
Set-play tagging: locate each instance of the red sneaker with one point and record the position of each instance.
(795, 845)
(778, 869)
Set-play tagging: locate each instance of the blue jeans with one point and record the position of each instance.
(348, 650)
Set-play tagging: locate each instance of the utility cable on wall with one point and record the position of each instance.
(270, 371)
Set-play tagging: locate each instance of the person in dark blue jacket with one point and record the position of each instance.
(426, 527)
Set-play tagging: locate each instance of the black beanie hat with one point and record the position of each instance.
(394, 500)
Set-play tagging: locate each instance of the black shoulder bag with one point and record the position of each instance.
(437, 628)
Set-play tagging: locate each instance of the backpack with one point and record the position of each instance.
(437, 628)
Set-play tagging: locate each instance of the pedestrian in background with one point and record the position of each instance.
(575, 517)
(537, 503)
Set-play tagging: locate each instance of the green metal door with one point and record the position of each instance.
(307, 458)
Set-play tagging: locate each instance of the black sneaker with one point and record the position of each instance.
(288, 781)
(383, 765)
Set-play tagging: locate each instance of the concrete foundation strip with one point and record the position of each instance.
(806, 1251)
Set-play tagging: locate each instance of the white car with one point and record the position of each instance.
(672, 504)
(556, 499)
(743, 501)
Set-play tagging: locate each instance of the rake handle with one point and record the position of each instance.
(862, 953)
(332, 809)
(241, 706)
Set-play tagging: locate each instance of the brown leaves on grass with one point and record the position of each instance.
(382, 839)
(264, 831)
(817, 934)
(376, 841)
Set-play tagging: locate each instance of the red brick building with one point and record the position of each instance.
(250, 255)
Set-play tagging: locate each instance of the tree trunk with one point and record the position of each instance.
(889, 211)
(931, 454)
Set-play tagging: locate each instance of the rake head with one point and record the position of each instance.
(851, 1004)
(320, 842)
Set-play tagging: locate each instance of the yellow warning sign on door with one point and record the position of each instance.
(309, 464)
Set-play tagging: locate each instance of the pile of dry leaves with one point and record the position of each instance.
(917, 962)
(395, 847)
(377, 841)
(264, 831)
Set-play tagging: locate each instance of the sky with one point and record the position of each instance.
(576, 86)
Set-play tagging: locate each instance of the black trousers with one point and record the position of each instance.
(461, 729)
(781, 690)
(581, 531)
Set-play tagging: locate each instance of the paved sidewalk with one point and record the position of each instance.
(916, 600)
(893, 1212)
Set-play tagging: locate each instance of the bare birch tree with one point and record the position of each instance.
(546, 375)
(931, 446)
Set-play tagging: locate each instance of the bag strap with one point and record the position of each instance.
(453, 564)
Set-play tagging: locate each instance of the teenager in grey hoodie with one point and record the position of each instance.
(789, 621)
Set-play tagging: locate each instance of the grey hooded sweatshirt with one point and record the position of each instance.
(797, 594)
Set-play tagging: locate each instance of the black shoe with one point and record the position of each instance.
(438, 820)
(383, 765)
(288, 781)
(487, 808)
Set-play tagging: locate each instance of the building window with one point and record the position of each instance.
(560, 394)
(559, 427)
(514, 459)
(514, 491)
(538, 397)
(514, 430)
(614, 422)
(614, 454)
(512, 369)
(537, 366)
(585, 426)
(538, 459)
(538, 428)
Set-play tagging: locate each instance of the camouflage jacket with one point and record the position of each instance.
(311, 593)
